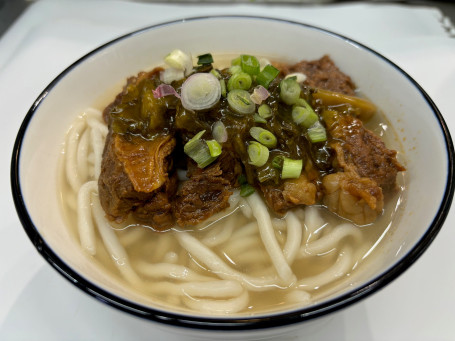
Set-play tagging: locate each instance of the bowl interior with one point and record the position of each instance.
(90, 82)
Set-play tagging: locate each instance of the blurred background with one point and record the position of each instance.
(11, 9)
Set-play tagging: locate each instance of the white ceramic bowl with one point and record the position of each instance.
(426, 145)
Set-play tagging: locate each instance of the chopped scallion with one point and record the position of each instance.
(240, 80)
(204, 59)
(264, 111)
(246, 190)
(249, 64)
(200, 91)
(216, 73)
(179, 60)
(223, 88)
(219, 132)
(198, 150)
(264, 137)
(240, 102)
(304, 115)
(214, 148)
(289, 91)
(235, 61)
(267, 75)
(257, 153)
(291, 168)
(235, 69)
(316, 133)
(259, 119)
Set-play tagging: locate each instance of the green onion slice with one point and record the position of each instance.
(219, 132)
(240, 102)
(235, 61)
(198, 150)
(216, 73)
(257, 153)
(223, 88)
(235, 69)
(267, 75)
(246, 190)
(249, 64)
(180, 60)
(291, 168)
(317, 133)
(304, 115)
(240, 80)
(200, 91)
(204, 59)
(214, 148)
(264, 111)
(289, 91)
(263, 136)
(259, 119)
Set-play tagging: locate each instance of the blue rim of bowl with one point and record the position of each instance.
(228, 323)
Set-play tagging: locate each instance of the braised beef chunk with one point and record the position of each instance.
(207, 190)
(291, 193)
(324, 74)
(200, 197)
(157, 210)
(355, 198)
(133, 171)
(360, 150)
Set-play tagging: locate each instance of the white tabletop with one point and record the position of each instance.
(36, 303)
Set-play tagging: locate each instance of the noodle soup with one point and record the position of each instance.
(243, 260)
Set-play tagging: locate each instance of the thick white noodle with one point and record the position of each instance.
(313, 222)
(113, 245)
(331, 240)
(341, 267)
(214, 289)
(294, 237)
(82, 155)
(170, 271)
(233, 207)
(98, 146)
(238, 246)
(246, 209)
(267, 233)
(132, 235)
(94, 113)
(71, 165)
(246, 230)
(220, 307)
(220, 233)
(298, 296)
(84, 217)
(207, 257)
